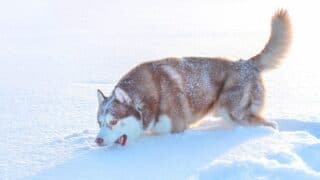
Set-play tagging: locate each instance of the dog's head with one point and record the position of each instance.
(118, 119)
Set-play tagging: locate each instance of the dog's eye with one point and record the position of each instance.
(113, 122)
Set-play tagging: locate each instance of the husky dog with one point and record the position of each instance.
(168, 95)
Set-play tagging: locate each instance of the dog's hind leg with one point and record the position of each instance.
(246, 110)
(255, 106)
(258, 120)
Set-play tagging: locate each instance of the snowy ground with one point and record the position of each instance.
(55, 54)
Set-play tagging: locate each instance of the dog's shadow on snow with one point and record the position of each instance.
(175, 155)
(312, 127)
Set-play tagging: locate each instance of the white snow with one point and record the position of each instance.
(55, 54)
(163, 126)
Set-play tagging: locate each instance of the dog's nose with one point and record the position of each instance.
(99, 141)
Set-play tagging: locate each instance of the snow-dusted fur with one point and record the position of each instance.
(184, 90)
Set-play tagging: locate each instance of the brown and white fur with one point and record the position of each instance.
(168, 95)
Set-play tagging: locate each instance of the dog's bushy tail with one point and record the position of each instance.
(279, 42)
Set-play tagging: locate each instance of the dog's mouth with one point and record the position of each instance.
(122, 140)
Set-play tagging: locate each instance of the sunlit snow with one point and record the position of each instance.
(55, 54)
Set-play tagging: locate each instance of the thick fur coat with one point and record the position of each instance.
(170, 94)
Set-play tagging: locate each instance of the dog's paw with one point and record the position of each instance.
(271, 124)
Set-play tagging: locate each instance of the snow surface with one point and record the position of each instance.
(55, 54)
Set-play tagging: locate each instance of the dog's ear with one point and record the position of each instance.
(100, 96)
(122, 96)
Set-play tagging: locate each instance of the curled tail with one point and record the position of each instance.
(276, 48)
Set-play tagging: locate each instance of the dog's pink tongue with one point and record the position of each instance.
(122, 140)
